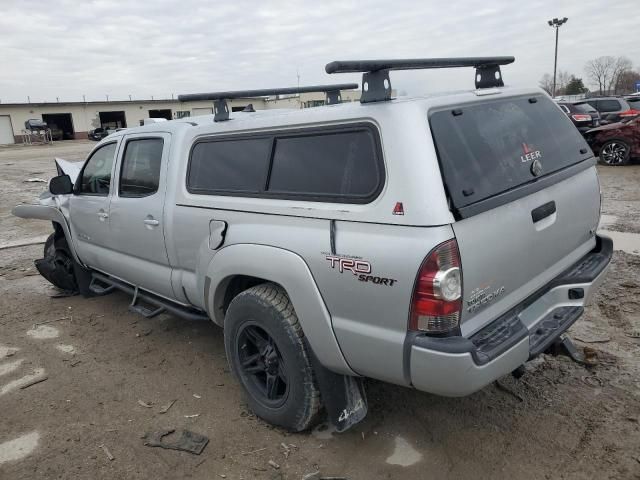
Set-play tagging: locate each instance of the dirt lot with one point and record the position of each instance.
(109, 372)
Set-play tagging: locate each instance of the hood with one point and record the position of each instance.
(70, 168)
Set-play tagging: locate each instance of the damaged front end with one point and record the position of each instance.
(60, 264)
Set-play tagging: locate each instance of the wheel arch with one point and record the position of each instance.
(240, 265)
(46, 212)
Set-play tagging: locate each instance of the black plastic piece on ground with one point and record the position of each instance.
(187, 441)
(343, 396)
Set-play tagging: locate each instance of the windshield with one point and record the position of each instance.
(490, 147)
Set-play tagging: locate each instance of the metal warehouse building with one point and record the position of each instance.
(73, 120)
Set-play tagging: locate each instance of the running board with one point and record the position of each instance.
(161, 304)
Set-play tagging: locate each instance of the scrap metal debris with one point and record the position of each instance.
(107, 452)
(195, 415)
(144, 404)
(165, 408)
(35, 381)
(273, 464)
(187, 441)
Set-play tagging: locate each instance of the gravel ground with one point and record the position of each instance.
(109, 373)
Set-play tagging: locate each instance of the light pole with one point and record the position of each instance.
(555, 23)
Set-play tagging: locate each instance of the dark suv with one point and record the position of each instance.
(583, 115)
(612, 109)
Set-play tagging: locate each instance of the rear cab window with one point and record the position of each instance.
(489, 148)
(329, 164)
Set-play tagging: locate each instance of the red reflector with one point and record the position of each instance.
(398, 209)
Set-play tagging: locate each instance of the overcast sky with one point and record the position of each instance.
(65, 49)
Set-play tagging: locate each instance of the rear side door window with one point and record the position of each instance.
(96, 174)
(609, 105)
(140, 171)
(333, 165)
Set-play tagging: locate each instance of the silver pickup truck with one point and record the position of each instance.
(437, 242)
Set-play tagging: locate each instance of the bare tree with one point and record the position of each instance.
(622, 64)
(546, 83)
(561, 83)
(600, 71)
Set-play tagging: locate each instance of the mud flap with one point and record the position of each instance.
(343, 396)
(58, 270)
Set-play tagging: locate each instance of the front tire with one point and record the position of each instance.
(57, 264)
(614, 153)
(266, 351)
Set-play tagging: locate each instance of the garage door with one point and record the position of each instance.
(6, 132)
(202, 111)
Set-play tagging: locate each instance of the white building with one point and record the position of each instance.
(74, 120)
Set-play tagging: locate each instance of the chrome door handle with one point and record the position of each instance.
(103, 215)
(151, 222)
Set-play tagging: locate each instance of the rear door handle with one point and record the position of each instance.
(543, 211)
(150, 221)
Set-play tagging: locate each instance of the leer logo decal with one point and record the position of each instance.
(529, 154)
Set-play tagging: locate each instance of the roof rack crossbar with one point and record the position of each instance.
(221, 109)
(376, 84)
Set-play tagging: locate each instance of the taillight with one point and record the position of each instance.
(437, 294)
(581, 118)
(629, 113)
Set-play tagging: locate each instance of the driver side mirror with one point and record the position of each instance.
(61, 185)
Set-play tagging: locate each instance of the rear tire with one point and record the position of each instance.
(267, 353)
(614, 153)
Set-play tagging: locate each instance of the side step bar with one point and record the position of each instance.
(160, 303)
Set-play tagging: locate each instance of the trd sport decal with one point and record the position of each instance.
(360, 268)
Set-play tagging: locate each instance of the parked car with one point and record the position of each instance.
(418, 241)
(612, 109)
(583, 115)
(56, 132)
(617, 143)
(633, 101)
(100, 133)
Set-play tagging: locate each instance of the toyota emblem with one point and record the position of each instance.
(536, 168)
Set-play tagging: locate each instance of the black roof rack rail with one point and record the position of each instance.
(376, 84)
(220, 98)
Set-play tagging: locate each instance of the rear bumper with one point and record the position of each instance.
(458, 366)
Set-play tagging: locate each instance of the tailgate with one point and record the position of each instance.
(506, 255)
(522, 184)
